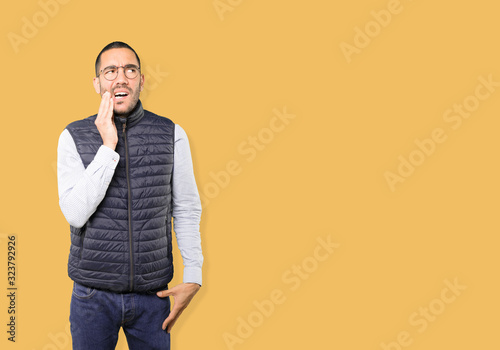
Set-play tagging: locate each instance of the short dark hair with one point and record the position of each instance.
(114, 45)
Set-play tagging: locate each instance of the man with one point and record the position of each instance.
(123, 174)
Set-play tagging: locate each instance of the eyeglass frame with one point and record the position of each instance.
(117, 68)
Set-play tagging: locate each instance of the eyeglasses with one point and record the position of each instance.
(110, 73)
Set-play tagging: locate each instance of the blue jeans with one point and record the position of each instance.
(96, 317)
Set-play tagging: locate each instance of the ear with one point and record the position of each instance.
(97, 85)
(142, 82)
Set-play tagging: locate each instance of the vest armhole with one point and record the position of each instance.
(173, 167)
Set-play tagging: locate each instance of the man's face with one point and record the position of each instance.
(124, 91)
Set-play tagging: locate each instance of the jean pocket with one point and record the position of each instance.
(83, 292)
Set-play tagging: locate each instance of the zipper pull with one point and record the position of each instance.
(124, 126)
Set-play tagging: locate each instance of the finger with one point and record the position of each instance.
(172, 316)
(164, 293)
(174, 320)
(107, 101)
(173, 313)
(110, 108)
(103, 106)
(170, 325)
(166, 322)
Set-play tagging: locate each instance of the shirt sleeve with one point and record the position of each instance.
(186, 209)
(81, 190)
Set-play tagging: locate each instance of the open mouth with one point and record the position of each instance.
(120, 95)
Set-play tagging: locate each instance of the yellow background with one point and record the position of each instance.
(321, 176)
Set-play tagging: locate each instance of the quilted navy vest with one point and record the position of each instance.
(126, 245)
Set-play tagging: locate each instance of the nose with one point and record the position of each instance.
(121, 78)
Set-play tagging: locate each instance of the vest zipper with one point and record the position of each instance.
(131, 247)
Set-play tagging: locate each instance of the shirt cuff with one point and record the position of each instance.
(107, 157)
(192, 275)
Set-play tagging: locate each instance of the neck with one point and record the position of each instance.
(133, 116)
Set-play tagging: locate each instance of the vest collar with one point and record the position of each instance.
(134, 117)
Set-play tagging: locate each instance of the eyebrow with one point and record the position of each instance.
(127, 65)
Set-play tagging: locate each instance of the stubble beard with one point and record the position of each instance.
(134, 99)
